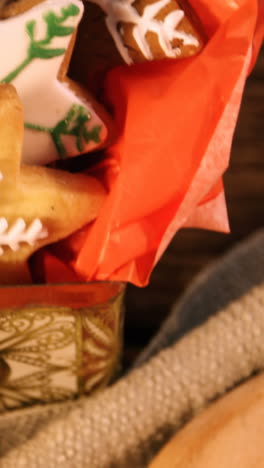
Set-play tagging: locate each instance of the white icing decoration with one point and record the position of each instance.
(119, 11)
(12, 236)
(45, 99)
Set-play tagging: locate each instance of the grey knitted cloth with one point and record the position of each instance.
(126, 424)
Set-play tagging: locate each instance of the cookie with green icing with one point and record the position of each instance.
(61, 119)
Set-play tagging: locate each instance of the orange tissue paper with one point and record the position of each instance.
(175, 123)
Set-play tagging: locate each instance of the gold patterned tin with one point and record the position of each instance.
(58, 341)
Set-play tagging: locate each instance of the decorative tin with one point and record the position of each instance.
(59, 341)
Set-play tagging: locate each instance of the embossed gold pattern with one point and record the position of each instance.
(54, 353)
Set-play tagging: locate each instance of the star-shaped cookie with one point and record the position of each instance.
(38, 205)
(36, 42)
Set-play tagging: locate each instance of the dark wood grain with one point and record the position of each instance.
(191, 250)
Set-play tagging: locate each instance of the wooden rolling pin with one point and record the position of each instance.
(228, 434)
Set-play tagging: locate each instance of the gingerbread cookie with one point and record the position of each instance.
(115, 32)
(38, 205)
(149, 30)
(36, 41)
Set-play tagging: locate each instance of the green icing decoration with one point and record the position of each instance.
(39, 49)
(73, 124)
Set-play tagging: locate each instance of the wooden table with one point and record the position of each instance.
(191, 250)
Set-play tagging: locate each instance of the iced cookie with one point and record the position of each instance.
(149, 30)
(115, 32)
(38, 205)
(36, 42)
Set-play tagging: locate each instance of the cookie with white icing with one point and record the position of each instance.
(150, 29)
(115, 32)
(38, 205)
(61, 119)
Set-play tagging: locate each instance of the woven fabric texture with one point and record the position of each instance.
(125, 425)
(222, 282)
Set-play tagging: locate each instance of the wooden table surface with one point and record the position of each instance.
(191, 250)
